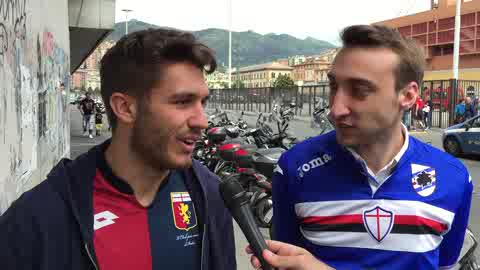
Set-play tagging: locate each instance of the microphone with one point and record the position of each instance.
(237, 203)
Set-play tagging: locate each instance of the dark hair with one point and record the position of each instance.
(133, 65)
(411, 58)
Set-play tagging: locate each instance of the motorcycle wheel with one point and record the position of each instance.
(263, 210)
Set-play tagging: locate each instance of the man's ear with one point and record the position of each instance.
(124, 107)
(408, 95)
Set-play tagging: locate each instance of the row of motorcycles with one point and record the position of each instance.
(249, 155)
(233, 149)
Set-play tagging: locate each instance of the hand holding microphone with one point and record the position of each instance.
(278, 254)
(237, 203)
(289, 257)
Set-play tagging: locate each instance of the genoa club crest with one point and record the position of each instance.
(183, 211)
(378, 222)
(423, 180)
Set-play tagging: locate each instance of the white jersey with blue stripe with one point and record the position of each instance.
(415, 220)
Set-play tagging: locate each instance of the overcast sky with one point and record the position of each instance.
(320, 19)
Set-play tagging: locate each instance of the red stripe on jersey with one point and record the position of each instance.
(358, 219)
(121, 232)
(419, 221)
(343, 219)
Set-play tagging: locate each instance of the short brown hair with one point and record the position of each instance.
(134, 64)
(412, 60)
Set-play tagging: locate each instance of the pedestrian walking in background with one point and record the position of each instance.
(427, 112)
(418, 109)
(459, 112)
(87, 109)
(470, 110)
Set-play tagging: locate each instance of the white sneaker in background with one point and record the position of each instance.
(90, 136)
(85, 133)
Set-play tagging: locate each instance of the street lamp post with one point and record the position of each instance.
(126, 19)
(229, 43)
(456, 43)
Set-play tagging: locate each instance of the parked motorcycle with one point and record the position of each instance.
(267, 138)
(320, 120)
(286, 112)
(254, 171)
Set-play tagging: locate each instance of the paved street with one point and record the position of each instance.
(301, 129)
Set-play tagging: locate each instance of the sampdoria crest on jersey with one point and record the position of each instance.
(423, 179)
(183, 211)
(378, 222)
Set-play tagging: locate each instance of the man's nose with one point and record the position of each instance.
(199, 119)
(339, 105)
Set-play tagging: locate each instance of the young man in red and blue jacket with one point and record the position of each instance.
(137, 201)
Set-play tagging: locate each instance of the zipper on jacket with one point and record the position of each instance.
(203, 246)
(205, 227)
(90, 256)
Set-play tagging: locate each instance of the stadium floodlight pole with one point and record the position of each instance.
(229, 43)
(456, 43)
(126, 19)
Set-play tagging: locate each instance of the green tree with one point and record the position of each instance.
(224, 85)
(283, 81)
(238, 84)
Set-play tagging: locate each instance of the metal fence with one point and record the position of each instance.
(262, 99)
(445, 95)
(306, 98)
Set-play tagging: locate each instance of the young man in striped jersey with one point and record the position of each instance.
(368, 195)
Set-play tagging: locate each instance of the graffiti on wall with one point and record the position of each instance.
(12, 13)
(52, 63)
(34, 125)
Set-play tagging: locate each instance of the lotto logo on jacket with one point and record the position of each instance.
(183, 211)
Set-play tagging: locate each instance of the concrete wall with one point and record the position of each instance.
(470, 74)
(34, 61)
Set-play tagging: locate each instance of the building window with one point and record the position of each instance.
(273, 75)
